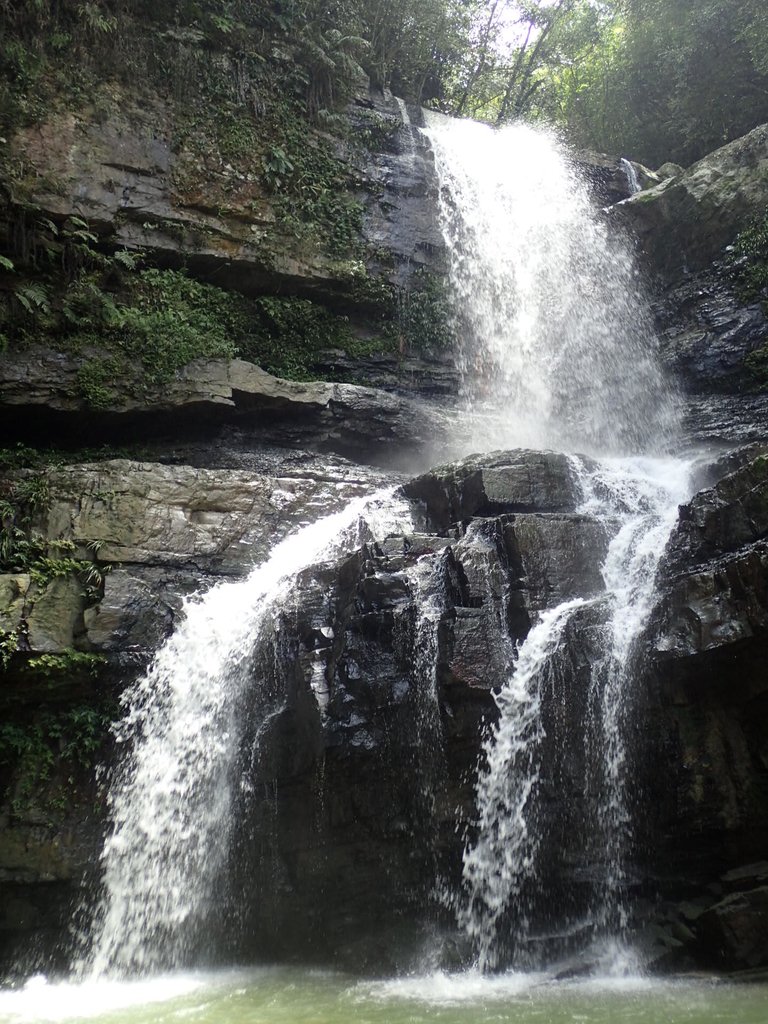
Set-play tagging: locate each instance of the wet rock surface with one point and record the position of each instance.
(214, 395)
(685, 222)
(375, 687)
(350, 814)
(709, 643)
(122, 173)
(683, 228)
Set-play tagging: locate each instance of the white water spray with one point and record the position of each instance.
(172, 794)
(557, 347)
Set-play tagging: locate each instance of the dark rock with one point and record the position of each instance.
(206, 394)
(732, 934)
(514, 481)
(722, 518)
(558, 557)
(605, 177)
(707, 334)
(722, 604)
(684, 223)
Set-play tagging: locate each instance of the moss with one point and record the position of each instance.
(747, 261)
(288, 334)
(23, 456)
(425, 322)
(757, 364)
(136, 327)
(22, 550)
(43, 755)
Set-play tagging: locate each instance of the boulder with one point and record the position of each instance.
(732, 934)
(482, 485)
(686, 221)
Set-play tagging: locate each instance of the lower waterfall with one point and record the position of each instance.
(636, 500)
(171, 797)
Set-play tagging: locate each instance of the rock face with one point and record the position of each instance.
(137, 185)
(360, 697)
(709, 639)
(385, 663)
(685, 222)
(707, 332)
(378, 679)
(212, 393)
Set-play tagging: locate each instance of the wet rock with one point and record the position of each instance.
(707, 334)
(605, 176)
(732, 934)
(709, 639)
(720, 605)
(483, 485)
(558, 557)
(138, 610)
(476, 657)
(220, 521)
(685, 222)
(723, 518)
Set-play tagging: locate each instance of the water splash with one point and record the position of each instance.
(171, 797)
(503, 858)
(637, 501)
(557, 346)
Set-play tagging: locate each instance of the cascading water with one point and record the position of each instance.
(557, 346)
(631, 175)
(172, 793)
(558, 351)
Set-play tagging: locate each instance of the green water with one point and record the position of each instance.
(299, 996)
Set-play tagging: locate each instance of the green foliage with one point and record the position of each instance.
(628, 76)
(20, 504)
(23, 456)
(41, 754)
(424, 322)
(136, 328)
(9, 645)
(747, 261)
(66, 663)
(747, 264)
(288, 333)
(24, 551)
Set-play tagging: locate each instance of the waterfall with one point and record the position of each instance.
(631, 175)
(173, 789)
(557, 346)
(557, 351)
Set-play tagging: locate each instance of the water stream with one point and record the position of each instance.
(558, 351)
(171, 796)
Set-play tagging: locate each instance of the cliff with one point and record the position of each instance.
(222, 319)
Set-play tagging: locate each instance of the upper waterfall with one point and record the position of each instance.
(557, 346)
